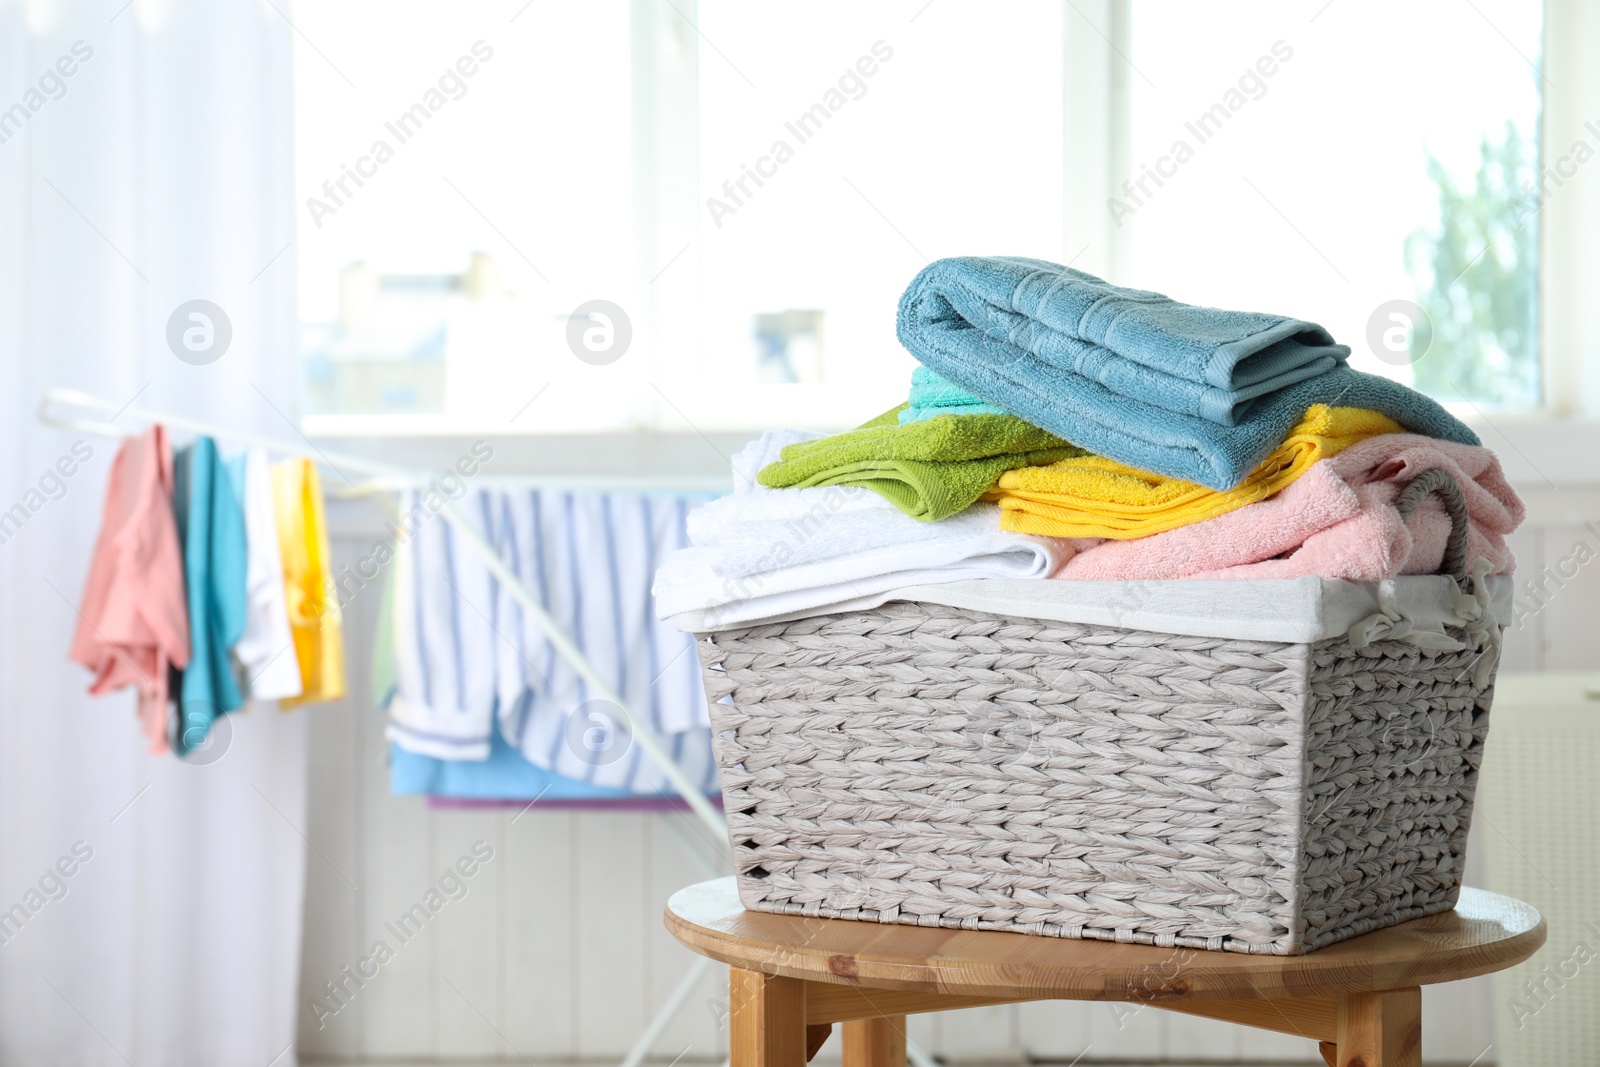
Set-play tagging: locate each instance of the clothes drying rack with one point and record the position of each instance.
(389, 477)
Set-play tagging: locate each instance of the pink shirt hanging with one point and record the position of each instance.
(133, 622)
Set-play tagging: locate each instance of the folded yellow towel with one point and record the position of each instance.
(1091, 496)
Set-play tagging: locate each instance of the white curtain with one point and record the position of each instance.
(157, 172)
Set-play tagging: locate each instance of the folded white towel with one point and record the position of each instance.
(764, 552)
(722, 518)
(748, 461)
(760, 531)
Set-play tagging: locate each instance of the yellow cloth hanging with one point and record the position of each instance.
(1091, 496)
(314, 617)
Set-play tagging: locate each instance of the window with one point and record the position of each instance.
(1348, 164)
(435, 282)
(923, 158)
(590, 158)
(671, 215)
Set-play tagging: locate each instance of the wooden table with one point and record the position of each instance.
(794, 977)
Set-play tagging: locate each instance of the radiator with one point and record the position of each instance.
(1539, 820)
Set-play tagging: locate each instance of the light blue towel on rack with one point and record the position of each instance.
(211, 530)
(1187, 392)
(505, 775)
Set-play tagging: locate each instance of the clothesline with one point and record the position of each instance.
(375, 477)
(671, 486)
(652, 745)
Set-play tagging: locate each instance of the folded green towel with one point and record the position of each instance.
(930, 469)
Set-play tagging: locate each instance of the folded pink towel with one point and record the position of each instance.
(1337, 520)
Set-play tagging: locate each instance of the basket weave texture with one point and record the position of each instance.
(928, 765)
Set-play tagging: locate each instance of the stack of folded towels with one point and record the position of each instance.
(1063, 427)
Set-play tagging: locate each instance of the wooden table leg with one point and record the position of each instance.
(1380, 1029)
(817, 1035)
(879, 1042)
(766, 1020)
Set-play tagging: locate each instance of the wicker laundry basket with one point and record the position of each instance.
(933, 765)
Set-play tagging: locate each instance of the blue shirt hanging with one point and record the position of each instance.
(211, 529)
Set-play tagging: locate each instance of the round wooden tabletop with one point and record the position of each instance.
(1486, 932)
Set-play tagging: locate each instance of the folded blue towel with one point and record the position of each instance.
(932, 396)
(1010, 349)
(1190, 360)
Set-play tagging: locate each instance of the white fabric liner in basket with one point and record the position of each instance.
(1301, 610)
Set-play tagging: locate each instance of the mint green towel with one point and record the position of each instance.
(931, 395)
(930, 469)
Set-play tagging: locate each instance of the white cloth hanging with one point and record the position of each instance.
(266, 651)
(468, 657)
(591, 556)
(445, 645)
